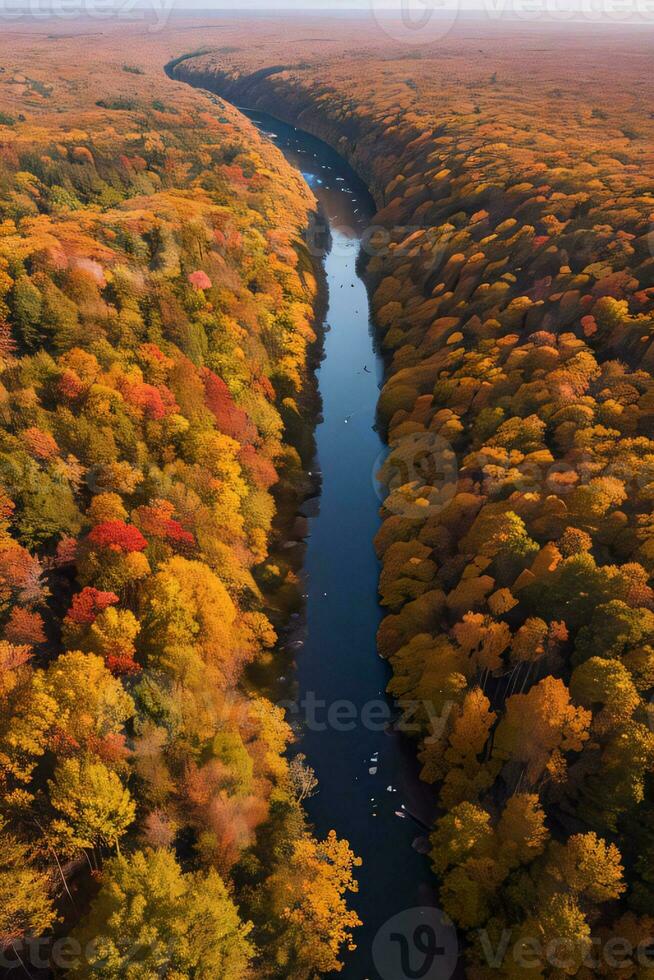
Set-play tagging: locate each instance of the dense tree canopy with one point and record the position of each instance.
(156, 320)
(514, 294)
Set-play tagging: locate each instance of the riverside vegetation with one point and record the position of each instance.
(514, 296)
(156, 322)
(156, 318)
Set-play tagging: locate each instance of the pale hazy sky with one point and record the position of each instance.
(638, 13)
(615, 11)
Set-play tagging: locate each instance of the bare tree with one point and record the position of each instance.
(303, 778)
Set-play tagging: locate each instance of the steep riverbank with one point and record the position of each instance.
(262, 91)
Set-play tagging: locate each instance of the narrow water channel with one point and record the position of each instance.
(367, 774)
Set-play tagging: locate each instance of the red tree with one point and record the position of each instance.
(117, 536)
(231, 419)
(24, 627)
(200, 280)
(259, 469)
(88, 604)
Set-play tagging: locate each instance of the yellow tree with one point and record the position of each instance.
(455, 758)
(309, 892)
(538, 727)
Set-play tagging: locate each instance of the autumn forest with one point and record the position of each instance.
(162, 327)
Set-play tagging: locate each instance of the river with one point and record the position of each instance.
(368, 776)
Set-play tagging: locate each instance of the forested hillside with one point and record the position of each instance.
(515, 302)
(156, 319)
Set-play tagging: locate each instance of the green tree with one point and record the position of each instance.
(93, 808)
(48, 509)
(26, 307)
(151, 921)
(464, 832)
(613, 629)
(617, 783)
(606, 683)
(26, 906)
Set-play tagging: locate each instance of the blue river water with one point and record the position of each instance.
(369, 790)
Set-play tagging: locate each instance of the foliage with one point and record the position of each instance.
(156, 306)
(151, 920)
(514, 296)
